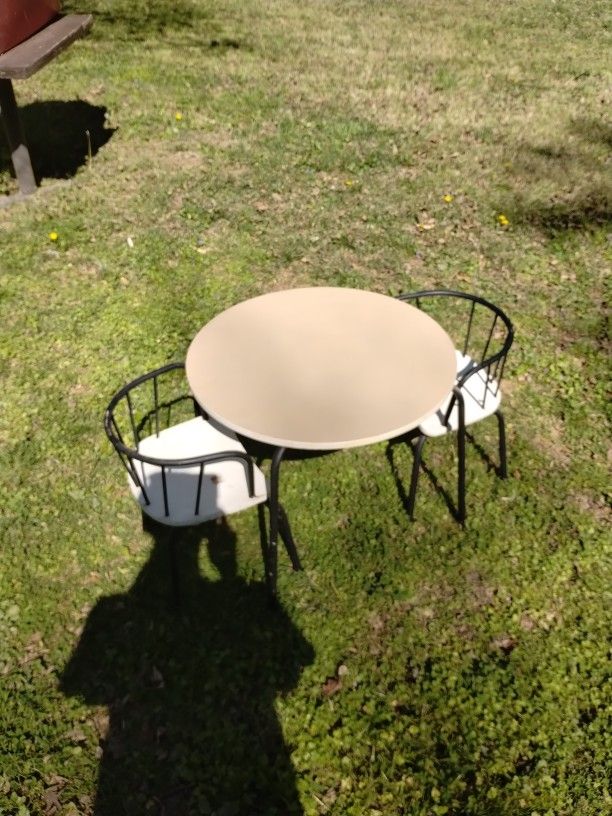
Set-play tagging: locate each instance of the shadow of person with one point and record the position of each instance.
(61, 135)
(136, 21)
(191, 725)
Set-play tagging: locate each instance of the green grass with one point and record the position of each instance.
(414, 668)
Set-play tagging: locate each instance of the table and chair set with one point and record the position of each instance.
(302, 371)
(306, 370)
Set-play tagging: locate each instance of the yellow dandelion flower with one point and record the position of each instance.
(178, 116)
(448, 198)
(502, 220)
(349, 182)
(53, 236)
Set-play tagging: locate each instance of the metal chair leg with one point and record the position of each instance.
(503, 463)
(417, 452)
(284, 530)
(461, 435)
(461, 475)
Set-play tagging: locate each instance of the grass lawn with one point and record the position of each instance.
(221, 150)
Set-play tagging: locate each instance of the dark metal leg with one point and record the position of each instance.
(461, 475)
(16, 139)
(285, 533)
(417, 452)
(503, 463)
(272, 550)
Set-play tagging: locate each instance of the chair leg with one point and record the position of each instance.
(503, 462)
(284, 530)
(461, 476)
(417, 453)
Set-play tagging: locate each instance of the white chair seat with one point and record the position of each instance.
(481, 399)
(224, 484)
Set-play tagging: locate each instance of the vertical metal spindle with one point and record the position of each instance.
(466, 342)
(128, 398)
(486, 348)
(156, 400)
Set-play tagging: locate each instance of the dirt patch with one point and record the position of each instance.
(597, 506)
(549, 441)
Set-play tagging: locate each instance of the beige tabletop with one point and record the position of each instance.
(321, 368)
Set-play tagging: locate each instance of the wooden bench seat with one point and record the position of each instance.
(20, 63)
(28, 57)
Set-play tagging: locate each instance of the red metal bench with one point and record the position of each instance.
(21, 62)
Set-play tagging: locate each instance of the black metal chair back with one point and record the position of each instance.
(148, 405)
(481, 331)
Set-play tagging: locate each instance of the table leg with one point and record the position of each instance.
(272, 548)
(284, 529)
(16, 139)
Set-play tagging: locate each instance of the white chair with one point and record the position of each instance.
(184, 468)
(484, 335)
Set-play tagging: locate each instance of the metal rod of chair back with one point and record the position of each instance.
(151, 419)
(491, 363)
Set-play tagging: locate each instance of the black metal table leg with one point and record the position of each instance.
(284, 529)
(272, 548)
(16, 139)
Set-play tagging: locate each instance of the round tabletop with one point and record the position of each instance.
(321, 368)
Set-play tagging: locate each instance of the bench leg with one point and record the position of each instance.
(16, 139)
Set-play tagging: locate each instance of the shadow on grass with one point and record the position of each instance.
(62, 136)
(592, 130)
(190, 693)
(401, 481)
(587, 212)
(137, 20)
(576, 207)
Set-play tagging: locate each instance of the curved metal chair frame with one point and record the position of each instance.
(128, 454)
(489, 365)
(152, 421)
